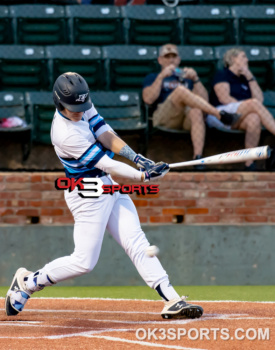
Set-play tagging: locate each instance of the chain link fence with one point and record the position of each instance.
(215, 86)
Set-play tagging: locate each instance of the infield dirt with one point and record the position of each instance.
(113, 324)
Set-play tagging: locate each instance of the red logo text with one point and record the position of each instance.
(94, 187)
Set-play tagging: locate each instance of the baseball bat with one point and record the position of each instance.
(239, 156)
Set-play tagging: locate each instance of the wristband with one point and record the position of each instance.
(195, 82)
(252, 79)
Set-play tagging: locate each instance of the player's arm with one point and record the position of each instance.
(114, 143)
(116, 168)
(92, 156)
(110, 140)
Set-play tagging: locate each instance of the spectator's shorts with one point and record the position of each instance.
(213, 122)
(172, 117)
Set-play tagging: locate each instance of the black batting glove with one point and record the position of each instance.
(143, 162)
(156, 171)
(229, 118)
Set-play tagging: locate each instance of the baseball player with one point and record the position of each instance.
(85, 145)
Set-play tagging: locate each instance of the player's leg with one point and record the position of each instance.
(195, 123)
(91, 216)
(125, 227)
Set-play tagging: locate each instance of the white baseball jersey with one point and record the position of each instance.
(76, 144)
(79, 151)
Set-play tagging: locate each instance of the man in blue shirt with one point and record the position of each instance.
(179, 98)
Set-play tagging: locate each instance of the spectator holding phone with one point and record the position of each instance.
(235, 90)
(179, 98)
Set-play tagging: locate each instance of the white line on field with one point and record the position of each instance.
(184, 321)
(88, 333)
(83, 334)
(20, 322)
(120, 312)
(116, 299)
(240, 318)
(91, 311)
(16, 324)
(141, 342)
(21, 338)
(204, 315)
(207, 317)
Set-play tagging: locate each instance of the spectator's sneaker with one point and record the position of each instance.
(178, 308)
(229, 118)
(199, 166)
(17, 295)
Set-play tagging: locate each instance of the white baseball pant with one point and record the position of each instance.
(117, 212)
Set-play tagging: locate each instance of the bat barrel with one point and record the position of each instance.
(239, 156)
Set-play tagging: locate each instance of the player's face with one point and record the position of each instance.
(74, 116)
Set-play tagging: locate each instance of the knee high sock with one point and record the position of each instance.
(167, 291)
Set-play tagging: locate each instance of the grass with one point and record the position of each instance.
(241, 293)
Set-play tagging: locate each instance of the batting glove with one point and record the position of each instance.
(156, 171)
(143, 162)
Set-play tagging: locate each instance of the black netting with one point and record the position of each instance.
(116, 47)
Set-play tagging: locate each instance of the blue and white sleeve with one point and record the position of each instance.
(97, 123)
(84, 152)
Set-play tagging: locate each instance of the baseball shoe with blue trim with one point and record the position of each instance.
(178, 308)
(17, 295)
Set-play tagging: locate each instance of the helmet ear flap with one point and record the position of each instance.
(58, 105)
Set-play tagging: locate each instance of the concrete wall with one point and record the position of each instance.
(191, 255)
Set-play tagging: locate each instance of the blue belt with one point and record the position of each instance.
(91, 173)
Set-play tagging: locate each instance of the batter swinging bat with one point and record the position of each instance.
(242, 155)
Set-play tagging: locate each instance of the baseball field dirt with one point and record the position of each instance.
(136, 324)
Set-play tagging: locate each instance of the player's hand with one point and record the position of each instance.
(143, 162)
(156, 171)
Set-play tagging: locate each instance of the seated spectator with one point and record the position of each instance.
(235, 90)
(179, 98)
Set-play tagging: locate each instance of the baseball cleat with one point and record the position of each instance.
(17, 295)
(178, 308)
